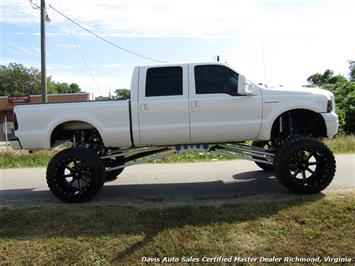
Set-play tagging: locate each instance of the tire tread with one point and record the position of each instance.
(295, 143)
(98, 172)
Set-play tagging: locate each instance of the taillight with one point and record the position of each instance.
(15, 122)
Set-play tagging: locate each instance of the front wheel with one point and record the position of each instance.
(304, 165)
(75, 175)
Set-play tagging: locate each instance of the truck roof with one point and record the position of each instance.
(183, 63)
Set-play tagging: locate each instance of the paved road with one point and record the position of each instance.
(157, 182)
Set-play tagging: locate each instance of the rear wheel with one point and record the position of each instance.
(267, 146)
(75, 175)
(304, 165)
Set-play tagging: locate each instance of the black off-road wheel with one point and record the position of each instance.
(304, 165)
(75, 175)
(265, 145)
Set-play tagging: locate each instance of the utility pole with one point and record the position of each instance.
(43, 52)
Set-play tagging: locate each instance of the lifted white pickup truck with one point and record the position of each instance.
(180, 107)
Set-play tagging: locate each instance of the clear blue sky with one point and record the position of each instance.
(279, 42)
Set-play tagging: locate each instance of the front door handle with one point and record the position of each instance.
(194, 106)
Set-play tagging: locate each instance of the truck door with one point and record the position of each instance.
(217, 112)
(163, 106)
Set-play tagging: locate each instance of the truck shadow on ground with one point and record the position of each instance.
(242, 184)
(103, 217)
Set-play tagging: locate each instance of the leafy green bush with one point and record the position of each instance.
(344, 91)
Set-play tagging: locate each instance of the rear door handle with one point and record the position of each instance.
(143, 108)
(194, 106)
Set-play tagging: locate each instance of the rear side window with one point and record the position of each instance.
(215, 79)
(163, 81)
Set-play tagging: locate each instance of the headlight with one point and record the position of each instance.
(330, 106)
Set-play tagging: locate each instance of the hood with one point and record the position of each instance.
(300, 91)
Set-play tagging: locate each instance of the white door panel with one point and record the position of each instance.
(163, 120)
(220, 117)
(224, 118)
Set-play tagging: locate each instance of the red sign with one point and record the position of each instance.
(19, 99)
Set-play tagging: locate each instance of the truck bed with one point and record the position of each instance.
(110, 118)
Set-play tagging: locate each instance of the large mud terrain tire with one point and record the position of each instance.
(75, 175)
(304, 165)
(266, 145)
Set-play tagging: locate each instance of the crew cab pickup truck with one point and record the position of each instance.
(181, 107)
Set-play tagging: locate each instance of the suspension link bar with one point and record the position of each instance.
(128, 157)
(128, 153)
(145, 159)
(251, 153)
(236, 155)
(250, 149)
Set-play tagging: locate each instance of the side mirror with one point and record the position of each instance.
(245, 87)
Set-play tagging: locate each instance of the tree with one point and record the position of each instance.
(326, 78)
(344, 92)
(327, 75)
(337, 79)
(123, 94)
(62, 87)
(102, 98)
(315, 79)
(15, 80)
(74, 88)
(352, 70)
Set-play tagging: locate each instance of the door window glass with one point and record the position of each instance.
(164, 81)
(215, 79)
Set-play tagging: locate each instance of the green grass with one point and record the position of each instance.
(342, 144)
(102, 233)
(10, 159)
(13, 159)
(194, 157)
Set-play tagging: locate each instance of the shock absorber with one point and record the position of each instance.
(74, 139)
(291, 130)
(82, 139)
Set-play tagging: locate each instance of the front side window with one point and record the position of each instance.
(163, 81)
(215, 79)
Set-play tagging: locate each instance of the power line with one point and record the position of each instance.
(82, 56)
(84, 60)
(34, 5)
(105, 40)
